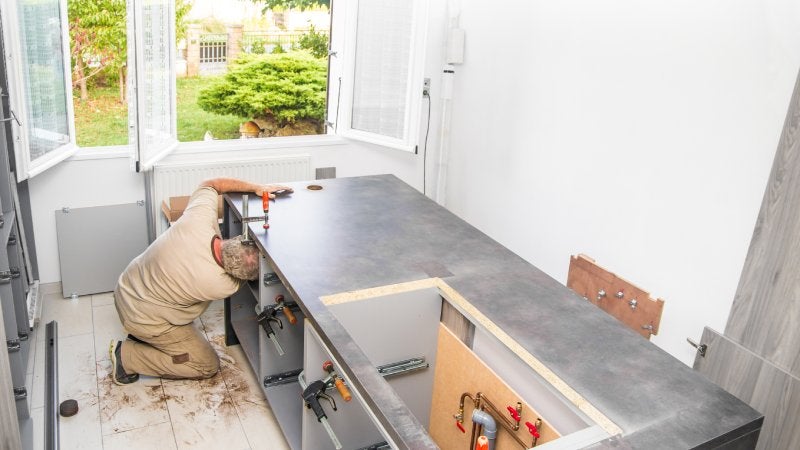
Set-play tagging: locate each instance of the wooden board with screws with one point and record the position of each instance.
(622, 299)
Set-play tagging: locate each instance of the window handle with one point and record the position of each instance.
(13, 117)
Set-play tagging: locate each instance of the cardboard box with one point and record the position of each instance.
(173, 207)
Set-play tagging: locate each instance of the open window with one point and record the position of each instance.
(151, 66)
(36, 50)
(381, 63)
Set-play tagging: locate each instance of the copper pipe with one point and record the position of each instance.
(503, 420)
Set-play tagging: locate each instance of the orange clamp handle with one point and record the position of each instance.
(286, 310)
(265, 201)
(289, 315)
(343, 391)
(483, 443)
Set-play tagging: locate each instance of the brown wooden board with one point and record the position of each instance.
(587, 279)
(458, 370)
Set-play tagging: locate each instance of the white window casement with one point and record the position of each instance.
(40, 92)
(374, 82)
(379, 58)
(152, 122)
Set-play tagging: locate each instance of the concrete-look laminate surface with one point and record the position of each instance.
(364, 232)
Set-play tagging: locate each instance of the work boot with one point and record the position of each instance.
(118, 374)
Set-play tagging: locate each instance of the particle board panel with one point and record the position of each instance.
(96, 244)
(765, 317)
(587, 279)
(756, 381)
(458, 370)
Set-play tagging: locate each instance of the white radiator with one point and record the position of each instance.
(175, 180)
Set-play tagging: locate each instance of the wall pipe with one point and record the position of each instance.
(484, 419)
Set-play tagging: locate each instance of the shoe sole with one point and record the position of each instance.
(113, 357)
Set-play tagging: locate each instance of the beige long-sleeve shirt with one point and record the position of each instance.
(173, 280)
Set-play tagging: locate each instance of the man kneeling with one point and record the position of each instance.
(168, 286)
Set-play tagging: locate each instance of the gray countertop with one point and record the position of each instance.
(364, 232)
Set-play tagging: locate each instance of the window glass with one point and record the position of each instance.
(382, 57)
(44, 87)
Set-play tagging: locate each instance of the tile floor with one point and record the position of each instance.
(227, 411)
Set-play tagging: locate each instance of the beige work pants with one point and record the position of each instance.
(182, 352)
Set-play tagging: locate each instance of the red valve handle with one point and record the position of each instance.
(532, 429)
(461, 427)
(513, 412)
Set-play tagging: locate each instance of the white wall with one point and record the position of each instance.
(639, 133)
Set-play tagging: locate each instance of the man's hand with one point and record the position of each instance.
(225, 185)
(272, 188)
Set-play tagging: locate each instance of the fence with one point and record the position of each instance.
(213, 48)
(209, 53)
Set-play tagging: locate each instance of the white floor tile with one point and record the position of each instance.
(106, 298)
(37, 396)
(37, 415)
(81, 431)
(213, 320)
(77, 374)
(203, 415)
(154, 437)
(227, 411)
(124, 408)
(73, 316)
(77, 379)
(106, 327)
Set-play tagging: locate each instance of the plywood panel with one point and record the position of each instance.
(767, 388)
(589, 280)
(458, 370)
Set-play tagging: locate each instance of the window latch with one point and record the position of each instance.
(13, 117)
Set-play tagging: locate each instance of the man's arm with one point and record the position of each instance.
(225, 185)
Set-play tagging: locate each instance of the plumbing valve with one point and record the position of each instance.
(515, 414)
(533, 430)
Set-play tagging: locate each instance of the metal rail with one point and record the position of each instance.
(51, 434)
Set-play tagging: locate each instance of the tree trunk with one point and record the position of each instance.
(81, 72)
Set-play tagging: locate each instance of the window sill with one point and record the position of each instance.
(233, 148)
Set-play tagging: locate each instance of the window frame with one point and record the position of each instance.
(342, 111)
(25, 167)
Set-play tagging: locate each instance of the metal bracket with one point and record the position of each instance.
(281, 378)
(65, 209)
(20, 393)
(701, 348)
(14, 272)
(379, 446)
(5, 276)
(271, 278)
(12, 239)
(13, 345)
(23, 335)
(402, 367)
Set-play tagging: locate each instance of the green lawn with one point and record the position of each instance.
(102, 120)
